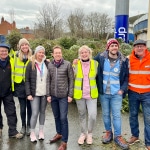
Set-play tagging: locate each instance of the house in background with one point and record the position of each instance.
(27, 33)
(6, 28)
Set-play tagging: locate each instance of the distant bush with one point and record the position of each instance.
(74, 48)
(125, 49)
(13, 39)
(47, 44)
(67, 42)
(70, 55)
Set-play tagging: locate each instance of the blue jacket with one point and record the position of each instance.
(124, 71)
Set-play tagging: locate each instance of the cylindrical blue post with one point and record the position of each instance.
(122, 19)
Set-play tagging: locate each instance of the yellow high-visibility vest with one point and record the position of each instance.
(19, 70)
(79, 79)
(12, 53)
(12, 70)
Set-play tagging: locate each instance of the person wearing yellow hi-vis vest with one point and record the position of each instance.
(21, 60)
(86, 92)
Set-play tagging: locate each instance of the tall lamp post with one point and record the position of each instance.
(148, 27)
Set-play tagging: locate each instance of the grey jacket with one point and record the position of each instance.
(60, 79)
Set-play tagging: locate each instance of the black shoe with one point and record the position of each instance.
(28, 131)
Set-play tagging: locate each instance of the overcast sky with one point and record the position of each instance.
(25, 11)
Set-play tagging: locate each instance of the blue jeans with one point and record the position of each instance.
(111, 104)
(135, 99)
(25, 104)
(60, 111)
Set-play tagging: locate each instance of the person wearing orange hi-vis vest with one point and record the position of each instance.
(139, 90)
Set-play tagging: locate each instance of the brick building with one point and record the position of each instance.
(6, 28)
(27, 33)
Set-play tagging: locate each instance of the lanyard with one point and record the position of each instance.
(40, 70)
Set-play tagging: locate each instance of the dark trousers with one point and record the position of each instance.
(1, 117)
(60, 111)
(135, 99)
(10, 110)
(25, 104)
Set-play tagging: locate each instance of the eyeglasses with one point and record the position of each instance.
(139, 46)
(3, 51)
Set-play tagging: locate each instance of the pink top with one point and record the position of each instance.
(86, 84)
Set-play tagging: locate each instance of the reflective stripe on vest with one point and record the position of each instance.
(139, 74)
(12, 76)
(110, 73)
(111, 82)
(140, 86)
(19, 70)
(78, 84)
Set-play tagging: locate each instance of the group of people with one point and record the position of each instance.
(109, 76)
(116, 76)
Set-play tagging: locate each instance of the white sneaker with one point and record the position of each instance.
(89, 139)
(82, 138)
(41, 135)
(33, 137)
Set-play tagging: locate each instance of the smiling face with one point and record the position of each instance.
(57, 54)
(40, 55)
(113, 48)
(3, 53)
(24, 48)
(84, 54)
(140, 50)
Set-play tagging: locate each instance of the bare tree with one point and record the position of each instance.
(96, 24)
(105, 23)
(93, 22)
(76, 21)
(71, 24)
(48, 20)
(12, 17)
(12, 14)
(92, 25)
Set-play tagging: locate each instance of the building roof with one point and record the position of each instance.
(134, 18)
(26, 31)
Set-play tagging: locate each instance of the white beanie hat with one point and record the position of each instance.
(23, 41)
(38, 48)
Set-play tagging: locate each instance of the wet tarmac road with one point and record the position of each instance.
(7, 143)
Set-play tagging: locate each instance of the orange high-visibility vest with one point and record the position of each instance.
(139, 73)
